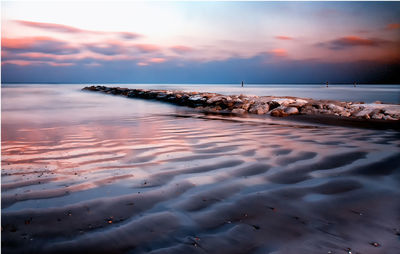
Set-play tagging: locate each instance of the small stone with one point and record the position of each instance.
(238, 111)
(375, 244)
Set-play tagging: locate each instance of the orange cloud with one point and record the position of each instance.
(355, 40)
(22, 43)
(142, 64)
(181, 49)
(393, 26)
(38, 44)
(351, 41)
(279, 52)
(157, 60)
(17, 62)
(147, 47)
(283, 37)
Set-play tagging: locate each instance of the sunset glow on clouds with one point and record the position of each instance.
(140, 39)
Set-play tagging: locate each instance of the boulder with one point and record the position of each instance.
(273, 104)
(278, 112)
(259, 109)
(335, 108)
(389, 118)
(246, 105)
(284, 101)
(215, 99)
(345, 113)
(364, 113)
(291, 110)
(377, 116)
(299, 103)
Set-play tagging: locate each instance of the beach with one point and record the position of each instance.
(86, 172)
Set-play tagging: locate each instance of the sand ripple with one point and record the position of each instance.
(199, 184)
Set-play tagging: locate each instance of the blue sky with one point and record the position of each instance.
(200, 42)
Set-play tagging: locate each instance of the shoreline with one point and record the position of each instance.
(357, 114)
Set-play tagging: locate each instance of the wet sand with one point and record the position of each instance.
(193, 183)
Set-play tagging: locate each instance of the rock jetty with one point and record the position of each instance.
(261, 105)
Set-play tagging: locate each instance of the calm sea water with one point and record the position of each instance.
(365, 93)
(86, 172)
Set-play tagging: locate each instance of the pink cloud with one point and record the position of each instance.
(142, 64)
(279, 52)
(107, 47)
(73, 30)
(147, 47)
(181, 48)
(283, 37)
(128, 35)
(50, 26)
(60, 64)
(92, 64)
(27, 62)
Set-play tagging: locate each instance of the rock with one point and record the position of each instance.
(160, 96)
(345, 113)
(389, 118)
(363, 113)
(377, 116)
(291, 110)
(335, 108)
(366, 116)
(284, 101)
(299, 103)
(392, 111)
(196, 98)
(260, 104)
(318, 106)
(214, 99)
(278, 112)
(238, 111)
(259, 109)
(324, 111)
(273, 104)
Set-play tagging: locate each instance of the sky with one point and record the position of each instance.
(200, 42)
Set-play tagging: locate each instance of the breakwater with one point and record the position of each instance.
(261, 105)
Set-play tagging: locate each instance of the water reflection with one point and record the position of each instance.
(92, 157)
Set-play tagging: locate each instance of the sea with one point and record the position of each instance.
(85, 172)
